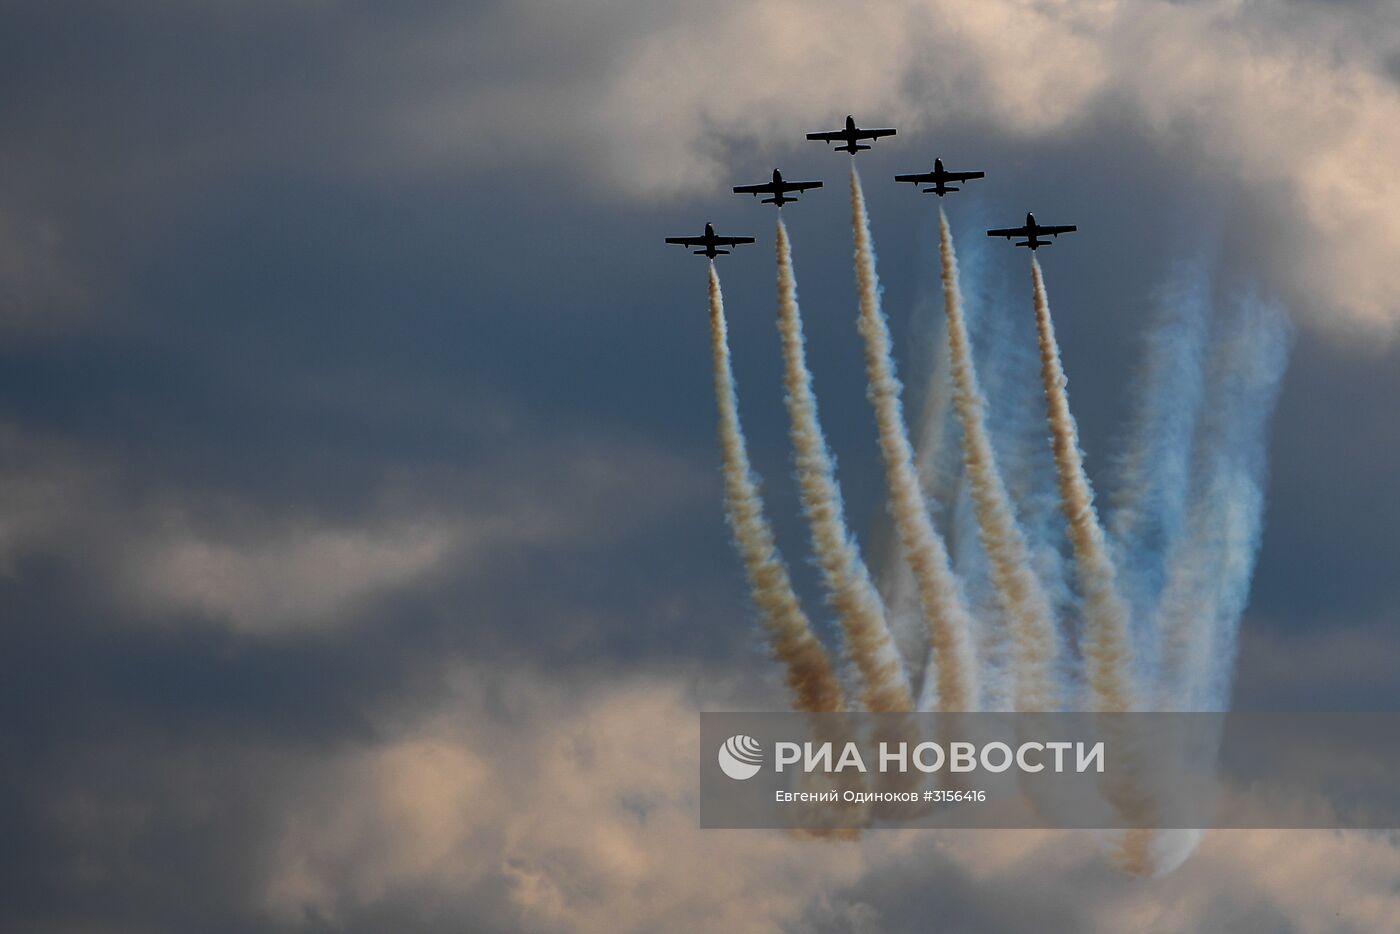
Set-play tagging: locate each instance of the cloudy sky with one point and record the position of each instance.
(361, 540)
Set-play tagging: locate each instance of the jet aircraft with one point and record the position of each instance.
(1032, 231)
(851, 135)
(709, 241)
(777, 188)
(939, 179)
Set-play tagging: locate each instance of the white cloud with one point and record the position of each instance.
(261, 573)
(578, 813)
(298, 577)
(1296, 107)
(520, 799)
(230, 559)
(1283, 114)
(574, 806)
(1297, 110)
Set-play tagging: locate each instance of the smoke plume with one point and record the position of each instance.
(847, 580)
(1208, 581)
(1158, 610)
(1023, 601)
(953, 669)
(1106, 638)
(808, 668)
(1148, 515)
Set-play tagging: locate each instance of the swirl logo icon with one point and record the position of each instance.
(740, 757)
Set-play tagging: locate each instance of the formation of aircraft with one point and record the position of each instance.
(852, 135)
(1033, 234)
(709, 241)
(777, 188)
(939, 179)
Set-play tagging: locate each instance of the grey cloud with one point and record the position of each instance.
(329, 275)
(419, 824)
(632, 97)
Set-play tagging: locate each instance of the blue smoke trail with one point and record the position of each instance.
(1209, 575)
(1148, 515)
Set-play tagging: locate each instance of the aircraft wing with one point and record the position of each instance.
(763, 189)
(874, 134)
(732, 241)
(963, 176)
(687, 241)
(920, 178)
(802, 186)
(829, 137)
(1015, 231)
(1062, 228)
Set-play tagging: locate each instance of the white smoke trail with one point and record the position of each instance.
(954, 671)
(1149, 507)
(1209, 574)
(1008, 368)
(895, 584)
(849, 587)
(1106, 646)
(809, 671)
(1023, 602)
(936, 450)
(1209, 568)
(1008, 374)
(939, 466)
(972, 568)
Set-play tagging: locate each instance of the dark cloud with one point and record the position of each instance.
(324, 276)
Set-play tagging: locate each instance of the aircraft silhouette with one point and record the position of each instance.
(709, 241)
(1032, 232)
(777, 188)
(852, 134)
(939, 179)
